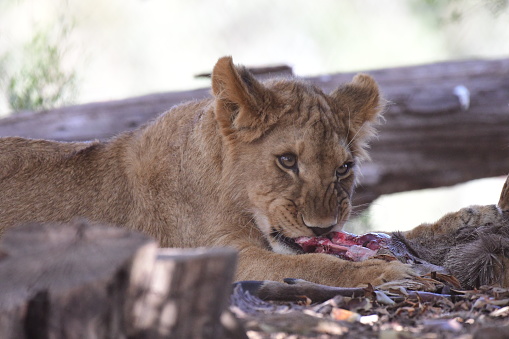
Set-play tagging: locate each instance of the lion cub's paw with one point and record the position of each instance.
(377, 272)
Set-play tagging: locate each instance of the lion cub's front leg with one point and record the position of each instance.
(259, 264)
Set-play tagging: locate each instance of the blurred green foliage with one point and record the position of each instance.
(32, 75)
(41, 82)
(444, 12)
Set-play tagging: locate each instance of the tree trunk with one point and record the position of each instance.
(82, 281)
(429, 137)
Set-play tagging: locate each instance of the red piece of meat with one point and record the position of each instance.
(345, 245)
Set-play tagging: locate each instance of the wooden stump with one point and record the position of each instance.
(83, 281)
(187, 284)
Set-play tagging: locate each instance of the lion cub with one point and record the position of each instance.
(254, 167)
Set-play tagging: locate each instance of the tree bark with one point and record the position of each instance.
(428, 138)
(82, 281)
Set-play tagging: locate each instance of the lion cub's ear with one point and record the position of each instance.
(360, 105)
(241, 100)
(361, 100)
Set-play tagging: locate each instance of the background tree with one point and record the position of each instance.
(33, 76)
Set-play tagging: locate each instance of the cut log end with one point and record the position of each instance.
(79, 280)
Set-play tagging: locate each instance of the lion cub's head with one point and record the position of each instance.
(291, 152)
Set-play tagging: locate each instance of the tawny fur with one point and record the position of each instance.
(207, 174)
(472, 244)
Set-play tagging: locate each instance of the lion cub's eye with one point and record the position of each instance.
(344, 169)
(288, 160)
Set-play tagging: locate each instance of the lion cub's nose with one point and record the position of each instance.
(318, 231)
(320, 226)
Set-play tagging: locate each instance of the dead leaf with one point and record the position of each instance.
(359, 304)
(383, 299)
(345, 315)
(501, 312)
(446, 278)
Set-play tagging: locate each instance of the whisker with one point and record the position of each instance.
(355, 136)
(361, 205)
(251, 225)
(349, 118)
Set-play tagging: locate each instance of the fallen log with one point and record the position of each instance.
(82, 281)
(446, 123)
(429, 137)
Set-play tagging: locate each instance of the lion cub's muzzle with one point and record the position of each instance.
(323, 209)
